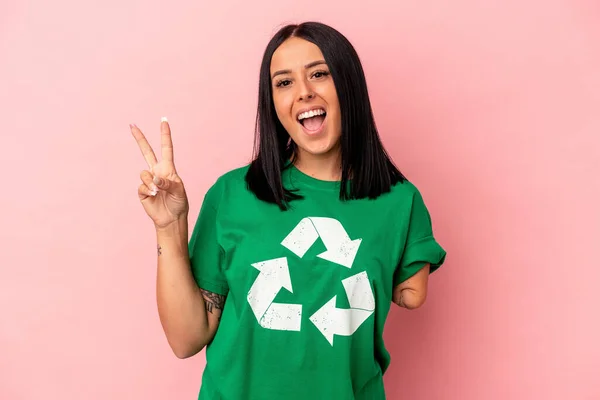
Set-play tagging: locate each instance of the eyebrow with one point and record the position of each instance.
(307, 66)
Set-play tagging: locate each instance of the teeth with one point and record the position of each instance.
(310, 114)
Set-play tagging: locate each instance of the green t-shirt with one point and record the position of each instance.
(308, 289)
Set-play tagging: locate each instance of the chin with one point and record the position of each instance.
(319, 148)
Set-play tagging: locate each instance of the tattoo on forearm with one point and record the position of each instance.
(213, 301)
(159, 249)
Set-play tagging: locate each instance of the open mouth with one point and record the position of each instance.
(312, 120)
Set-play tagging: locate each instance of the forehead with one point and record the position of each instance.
(295, 53)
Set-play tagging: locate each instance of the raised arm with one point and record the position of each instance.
(189, 316)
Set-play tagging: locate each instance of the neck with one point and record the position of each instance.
(326, 167)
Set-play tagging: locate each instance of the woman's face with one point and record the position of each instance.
(305, 98)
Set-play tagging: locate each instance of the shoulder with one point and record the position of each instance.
(404, 192)
(234, 176)
(404, 200)
(405, 188)
(229, 182)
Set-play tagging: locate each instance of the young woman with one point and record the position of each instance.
(294, 259)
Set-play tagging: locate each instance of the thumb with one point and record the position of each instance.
(166, 184)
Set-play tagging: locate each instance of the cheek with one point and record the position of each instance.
(282, 107)
(336, 116)
(278, 108)
(330, 96)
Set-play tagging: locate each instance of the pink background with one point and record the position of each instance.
(490, 107)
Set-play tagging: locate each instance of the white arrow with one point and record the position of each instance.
(331, 321)
(359, 292)
(274, 275)
(340, 248)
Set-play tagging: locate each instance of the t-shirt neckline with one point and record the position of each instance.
(297, 175)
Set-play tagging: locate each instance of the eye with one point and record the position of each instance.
(320, 74)
(283, 83)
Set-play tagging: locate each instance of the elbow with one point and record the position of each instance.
(413, 304)
(411, 299)
(182, 353)
(185, 349)
(187, 341)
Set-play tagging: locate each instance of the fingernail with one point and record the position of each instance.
(156, 180)
(153, 193)
(164, 119)
(154, 188)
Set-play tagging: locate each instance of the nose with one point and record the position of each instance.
(305, 92)
(306, 95)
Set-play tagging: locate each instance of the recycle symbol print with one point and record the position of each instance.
(275, 275)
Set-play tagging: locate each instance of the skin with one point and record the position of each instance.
(412, 293)
(300, 78)
(188, 314)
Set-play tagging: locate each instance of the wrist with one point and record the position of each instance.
(175, 228)
(172, 239)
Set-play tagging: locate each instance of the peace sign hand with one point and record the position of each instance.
(162, 192)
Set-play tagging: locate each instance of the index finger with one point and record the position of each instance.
(166, 143)
(145, 147)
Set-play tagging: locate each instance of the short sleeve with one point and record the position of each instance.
(421, 246)
(206, 254)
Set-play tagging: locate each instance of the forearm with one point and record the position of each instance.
(180, 303)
